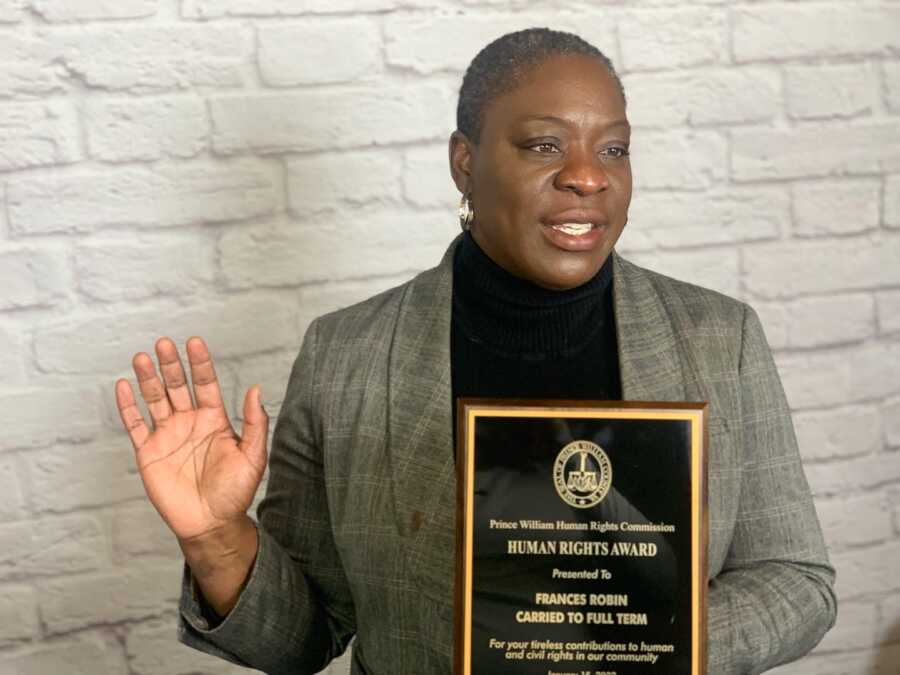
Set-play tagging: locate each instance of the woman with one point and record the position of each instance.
(356, 532)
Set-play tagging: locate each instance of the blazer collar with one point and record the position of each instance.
(420, 416)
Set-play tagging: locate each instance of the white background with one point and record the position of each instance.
(233, 168)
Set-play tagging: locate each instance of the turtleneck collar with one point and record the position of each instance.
(514, 317)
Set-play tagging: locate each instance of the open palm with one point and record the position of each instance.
(198, 473)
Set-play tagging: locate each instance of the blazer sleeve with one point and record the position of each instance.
(774, 599)
(295, 613)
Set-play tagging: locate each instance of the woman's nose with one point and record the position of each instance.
(583, 173)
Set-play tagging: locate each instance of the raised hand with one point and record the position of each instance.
(198, 473)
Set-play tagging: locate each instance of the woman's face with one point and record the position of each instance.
(550, 178)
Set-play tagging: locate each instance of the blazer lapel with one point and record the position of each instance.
(651, 365)
(420, 437)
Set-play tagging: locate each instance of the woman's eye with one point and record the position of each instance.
(543, 147)
(617, 151)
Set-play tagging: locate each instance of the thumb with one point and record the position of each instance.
(255, 429)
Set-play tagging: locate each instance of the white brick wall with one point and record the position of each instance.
(233, 168)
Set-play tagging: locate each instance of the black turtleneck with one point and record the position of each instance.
(513, 339)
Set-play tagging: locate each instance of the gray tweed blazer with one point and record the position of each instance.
(357, 531)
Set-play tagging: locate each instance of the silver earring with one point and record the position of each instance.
(466, 212)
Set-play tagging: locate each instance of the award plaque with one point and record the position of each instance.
(581, 538)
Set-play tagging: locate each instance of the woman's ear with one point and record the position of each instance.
(461, 150)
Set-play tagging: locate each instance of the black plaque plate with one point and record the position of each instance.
(582, 538)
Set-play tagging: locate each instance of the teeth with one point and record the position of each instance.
(575, 229)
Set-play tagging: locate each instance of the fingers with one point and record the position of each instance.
(255, 431)
(203, 375)
(173, 375)
(131, 415)
(152, 388)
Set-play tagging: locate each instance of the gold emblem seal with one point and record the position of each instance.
(582, 474)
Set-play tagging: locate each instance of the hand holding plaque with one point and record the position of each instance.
(582, 538)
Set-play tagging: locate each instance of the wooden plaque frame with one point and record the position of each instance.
(471, 411)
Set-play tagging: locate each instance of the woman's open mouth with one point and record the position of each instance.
(573, 236)
(574, 229)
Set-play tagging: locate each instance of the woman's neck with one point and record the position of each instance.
(514, 317)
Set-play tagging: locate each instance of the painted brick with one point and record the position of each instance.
(672, 219)
(333, 119)
(4, 225)
(670, 39)
(892, 423)
(153, 650)
(713, 268)
(838, 433)
(32, 278)
(159, 196)
(836, 207)
(864, 519)
(718, 96)
(790, 31)
(87, 10)
(18, 616)
(235, 326)
(335, 180)
(426, 178)
(72, 658)
(13, 358)
(144, 266)
(215, 9)
(69, 477)
(784, 270)
(829, 91)
(888, 310)
(25, 411)
(870, 570)
(891, 71)
(847, 476)
(678, 160)
(27, 65)
(840, 376)
(139, 534)
(17, 79)
(127, 129)
(814, 151)
(512, 3)
(296, 54)
(38, 134)
(136, 58)
(892, 201)
(154, 57)
(12, 506)
(54, 546)
(11, 11)
(122, 595)
(420, 43)
(818, 321)
(290, 254)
